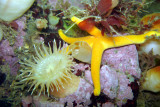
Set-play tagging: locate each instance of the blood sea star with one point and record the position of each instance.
(99, 43)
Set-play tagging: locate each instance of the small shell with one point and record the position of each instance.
(81, 51)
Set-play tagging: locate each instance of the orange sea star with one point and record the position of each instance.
(99, 43)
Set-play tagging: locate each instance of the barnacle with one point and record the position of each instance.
(49, 71)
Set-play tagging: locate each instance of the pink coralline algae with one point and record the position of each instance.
(13, 65)
(124, 91)
(119, 67)
(39, 101)
(26, 101)
(81, 98)
(6, 49)
(124, 59)
(109, 81)
(82, 95)
(108, 104)
(7, 53)
(21, 33)
(80, 68)
(114, 84)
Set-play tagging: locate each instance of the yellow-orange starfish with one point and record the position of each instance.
(99, 43)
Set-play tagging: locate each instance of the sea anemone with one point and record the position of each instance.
(49, 70)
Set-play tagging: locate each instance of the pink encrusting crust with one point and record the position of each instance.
(124, 59)
(117, 65)
(114, 84)
(21, 33)
(110, 81)
(81, 97)
(9, 57)
(82, 94)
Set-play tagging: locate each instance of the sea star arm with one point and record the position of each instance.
(94, 31)
(70, 40)
(98, 46)
(134, 39)
(97, 51)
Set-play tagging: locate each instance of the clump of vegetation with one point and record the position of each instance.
(124, 17)
(8, 32)
(8, 93)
